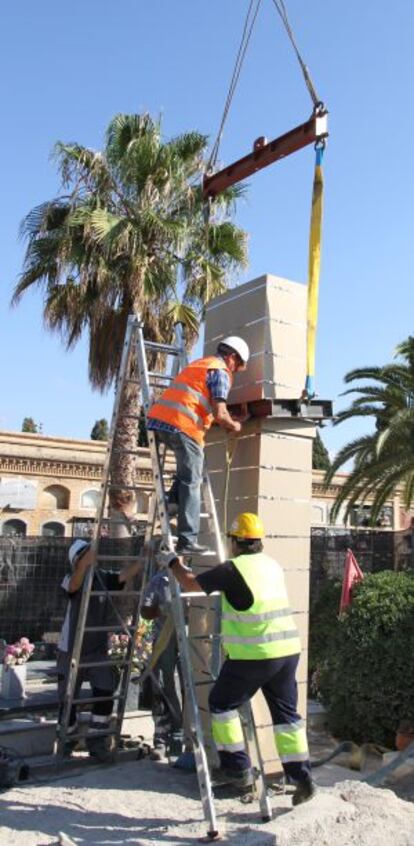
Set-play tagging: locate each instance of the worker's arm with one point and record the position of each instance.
(223, 418)
(80, 570)
(184, 576)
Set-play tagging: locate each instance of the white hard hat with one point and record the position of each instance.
(238, 345)
(75, 550)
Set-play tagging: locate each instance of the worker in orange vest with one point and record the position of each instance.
(181, 417)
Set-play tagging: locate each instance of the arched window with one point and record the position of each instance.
(55, 497)
(14, 528)
(318, 514)
(53, 530)
(90, 498)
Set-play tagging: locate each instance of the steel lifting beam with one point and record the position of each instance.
(315, 409)
(265, 153)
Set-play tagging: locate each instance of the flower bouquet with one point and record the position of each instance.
(15, 658)
(118, 645)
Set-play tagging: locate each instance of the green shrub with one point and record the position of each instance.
(365, 661)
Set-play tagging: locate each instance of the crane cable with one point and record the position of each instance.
(248, 27)
(249, 23)
(317, 194)
(281, 10)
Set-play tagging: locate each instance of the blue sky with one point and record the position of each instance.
(66, 69)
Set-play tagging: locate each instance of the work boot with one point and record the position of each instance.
(238, 778)
(175, 748)
(159, 752)
(187, 547)
(305, 790)
(71, 745)
(100, 748)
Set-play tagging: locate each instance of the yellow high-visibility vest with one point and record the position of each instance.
(267, 629)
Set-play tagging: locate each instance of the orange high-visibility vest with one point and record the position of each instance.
(186, 402)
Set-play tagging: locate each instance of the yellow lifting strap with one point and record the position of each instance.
(314, 266)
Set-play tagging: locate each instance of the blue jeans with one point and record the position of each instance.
(185, 491)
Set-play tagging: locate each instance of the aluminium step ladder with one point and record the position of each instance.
(134, 357)
(187, 647)
(93, 592)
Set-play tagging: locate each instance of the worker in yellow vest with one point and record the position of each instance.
(262, 646)
(181, 417)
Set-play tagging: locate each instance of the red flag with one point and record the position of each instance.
(352, 575)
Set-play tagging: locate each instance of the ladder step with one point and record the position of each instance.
(121, 593)
(115, 557)
(207, 554)
(108, 663)
(164, 376)
(91, 699)
(124, 487)
(109, 629)
(198, 594)
(79, 735)
(162, 348)
(205, 637)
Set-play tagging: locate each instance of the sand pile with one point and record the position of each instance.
(142, 803)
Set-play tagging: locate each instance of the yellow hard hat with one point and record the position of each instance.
(247, 526)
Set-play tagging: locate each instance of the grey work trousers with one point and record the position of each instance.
(185, 491)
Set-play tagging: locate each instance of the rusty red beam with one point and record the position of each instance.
(264, 154)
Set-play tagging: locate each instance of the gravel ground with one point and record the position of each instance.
(141, 803)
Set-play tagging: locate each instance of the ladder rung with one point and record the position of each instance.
(121, 593)
(199, 593)
(162, 348)
(153, 375)
(109, 628)
(78, 735)
(208, 554)
(203, 683)
(91, 699)
(124, 487)
(205, 637)
(108, 663)
(117, 557)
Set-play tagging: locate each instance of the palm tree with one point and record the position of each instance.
(384, 459)
(128, 234)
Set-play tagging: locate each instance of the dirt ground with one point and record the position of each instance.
(140, 803)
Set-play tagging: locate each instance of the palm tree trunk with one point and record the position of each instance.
(126, 437)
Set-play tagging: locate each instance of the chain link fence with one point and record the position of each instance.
(374, 550)
(32, 603)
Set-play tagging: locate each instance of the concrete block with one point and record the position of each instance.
(275, 309)
(297, 583)
(283, 482)
(291, 553)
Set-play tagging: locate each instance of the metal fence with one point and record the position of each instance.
(32, 603)
(374, 550)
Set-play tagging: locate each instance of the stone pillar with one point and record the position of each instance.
(271, 469)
